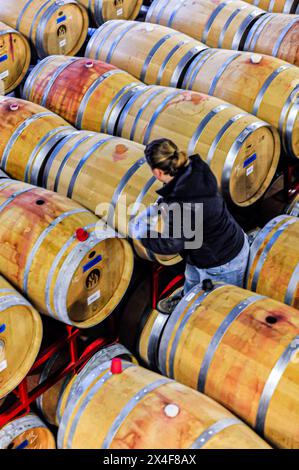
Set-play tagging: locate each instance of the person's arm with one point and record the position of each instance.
(143, 229)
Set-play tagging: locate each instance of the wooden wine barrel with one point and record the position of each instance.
(105, 354)
(51, 403)
(18, 319)
(138, 409)
(241, 150)
(157, 55)
(14, 57)
(276, 6)
(293, 207)
(277, 35)
(83, 160)
(240, 348)
(105, 10)
(217, 23)
(28, 133)
(87, 93)
(60, 255)
(27, 432)
(262, 85)
(52, 27)
(47, 402)
(274, 261)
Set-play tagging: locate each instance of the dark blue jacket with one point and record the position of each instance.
(223, 238)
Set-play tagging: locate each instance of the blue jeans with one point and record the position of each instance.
(230, 273)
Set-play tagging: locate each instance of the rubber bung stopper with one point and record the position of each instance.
(116, 366)
(256, 58)
(89, 64)
(2, 328)
(82, 235)
(14, 107)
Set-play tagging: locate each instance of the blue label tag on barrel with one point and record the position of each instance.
(249, 160)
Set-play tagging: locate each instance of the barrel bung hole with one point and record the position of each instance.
(271, 320)
(40, 202)
(92, 254)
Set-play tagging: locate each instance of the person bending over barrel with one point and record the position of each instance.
(197, 223)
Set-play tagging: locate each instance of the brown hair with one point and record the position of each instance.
(165, 155)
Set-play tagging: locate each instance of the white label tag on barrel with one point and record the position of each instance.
(249, 170)
(92, 298)
(3, 365)
(4, 74)
(62, 43)
(119, 12)
(190, 296)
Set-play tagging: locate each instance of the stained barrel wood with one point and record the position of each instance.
(28, 432)
(138, 409)
(18, 319)
(15, 57)
(28, 133)
(274, 261)
(108, 175)
(276, 6)
(217, 23)
(75, 276)
(240, 348)
(276, 35)
(52, 27)
(262, 85)
(293, 207)
(87, 93)
(152, 53)
(105, 10)
(241, 150)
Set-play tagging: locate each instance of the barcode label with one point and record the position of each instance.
(190, 296)
(92, 298)
(4, 74)
(3, 365)
(249, 170)
(119, 12)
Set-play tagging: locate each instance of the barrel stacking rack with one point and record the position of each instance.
(69, 342)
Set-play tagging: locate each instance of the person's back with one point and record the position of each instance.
(189, 183)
